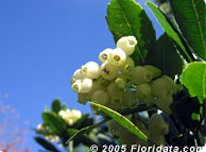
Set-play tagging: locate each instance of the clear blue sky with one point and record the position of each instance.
(41, 43)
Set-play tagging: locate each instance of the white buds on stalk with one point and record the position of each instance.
(91, 70)
(127, 43)
(117, 57)
(104, 55)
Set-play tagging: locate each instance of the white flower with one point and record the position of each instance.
(70, 116)
(117, 57)
(86, 85)
(127, 44)
(91, 70)
(77, 86)
(76, 76)
(104, 55)
(108, 71)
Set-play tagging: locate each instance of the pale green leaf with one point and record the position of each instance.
(168, 28)
(194, 79)
(122, 120)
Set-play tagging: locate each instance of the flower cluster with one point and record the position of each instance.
(70, 116)
(118, 84)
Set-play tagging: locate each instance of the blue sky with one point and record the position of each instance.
(41, 43)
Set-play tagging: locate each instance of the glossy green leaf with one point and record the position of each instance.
(194, 79)
(163, 56)
(46, 144)
(191, 18)
(55, 123)
(56, 105)
(122, 120)
(126, 17)
(168, 28)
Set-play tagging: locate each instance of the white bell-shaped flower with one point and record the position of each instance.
(104, 55)
(127, 44)
(91, 70)
(117, 57)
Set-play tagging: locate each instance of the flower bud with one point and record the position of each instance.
(127, 44)
(164, 103)
(141, 75)
(120, 82)
(101, 97)
(144, 93)
(157, 126)
(91, 70)
(163, 86)
(109, 71)
(117, 57)
(129, 100)
(104, 55)
(115, 93)
(155, 71)
(128, 66)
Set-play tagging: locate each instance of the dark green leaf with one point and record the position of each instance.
(163, 56)
(83, 122)
(56, 105)
(126, 17)
(194, 79)
(46, 144)
(55, 123)
(123, 121)
(191, 18)
(168, 29)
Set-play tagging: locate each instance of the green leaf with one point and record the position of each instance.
(126, 17)
(46, 144)
(56, 105)
(191, 18)
(163, 56)
(83, 122)
(55, 123)
(123, 121)
(168, 28)
(194, 79)
(86, 130)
